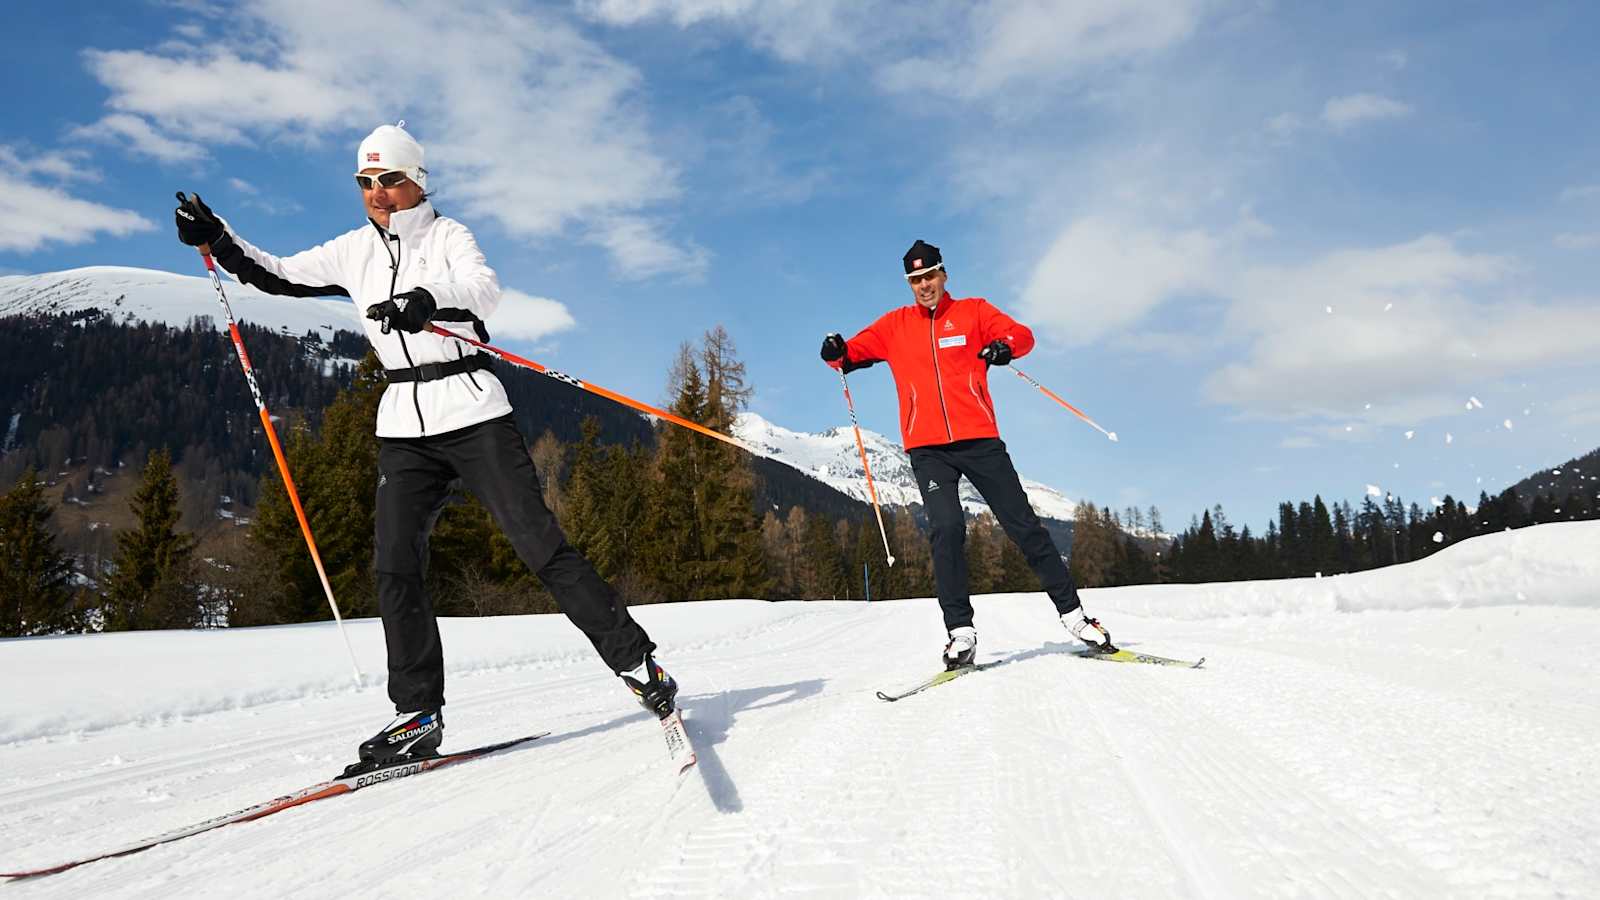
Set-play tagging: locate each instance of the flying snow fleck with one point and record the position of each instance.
(1410, 435)
(1508, 424)
(1436, 502)
(1476, 403)
(1438, 537)
(1374, 491)
(1448, 437)
(1329, 309)
(1388, 306)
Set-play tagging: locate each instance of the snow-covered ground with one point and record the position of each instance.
(833, 458)
(1418, 732)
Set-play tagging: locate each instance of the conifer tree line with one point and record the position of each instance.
(663, 513)
(1312, 537)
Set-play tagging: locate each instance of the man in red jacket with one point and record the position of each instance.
(940, 350)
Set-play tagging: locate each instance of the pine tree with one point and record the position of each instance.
(732, 562)
(35, 577)
(671, 552)
(154, 585)
(1015, 574)
(336, 475)
(1324, 545)
(913, 556)
(1093, 548)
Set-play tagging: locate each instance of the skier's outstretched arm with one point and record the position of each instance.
(869, 346)
(995, 325)
(316, 272)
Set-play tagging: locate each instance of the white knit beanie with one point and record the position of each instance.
(392, 147)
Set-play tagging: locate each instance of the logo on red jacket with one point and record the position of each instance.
(949, 325)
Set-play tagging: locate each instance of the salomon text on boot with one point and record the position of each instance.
(412, 735)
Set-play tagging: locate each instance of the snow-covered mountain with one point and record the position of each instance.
(832, 458)
(131, 294)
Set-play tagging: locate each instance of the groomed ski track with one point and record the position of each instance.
(1408, 752)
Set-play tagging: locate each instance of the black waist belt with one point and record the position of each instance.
(435, 371)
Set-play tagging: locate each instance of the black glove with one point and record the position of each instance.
(197, 224)
(412, 315)
(833, 347)
(998, 353)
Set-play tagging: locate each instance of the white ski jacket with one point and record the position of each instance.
(371, 265)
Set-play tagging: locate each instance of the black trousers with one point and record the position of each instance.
(985, 462)
(490, 459)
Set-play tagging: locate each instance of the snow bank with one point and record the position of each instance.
(1545, 565)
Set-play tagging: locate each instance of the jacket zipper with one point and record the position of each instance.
(938, 379)
(394, 279)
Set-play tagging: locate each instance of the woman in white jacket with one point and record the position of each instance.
(444, 416)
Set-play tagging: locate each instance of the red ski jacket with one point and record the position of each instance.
(943, 385)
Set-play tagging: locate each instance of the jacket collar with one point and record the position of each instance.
(409, 224)
(936, 312)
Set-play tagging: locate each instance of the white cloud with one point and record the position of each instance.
(1342, 113)
(526, 317)
(638, 251)
(1584, 240)
(32, 215)
(274, 204)
(792, 30)
(139, 138)
(526, 122)
(1451, 326)
(1103, 275)
(1005, 43)
(969, 49)
(1578, 409)
(1284, 126)
(1581, 192)
(66, 165)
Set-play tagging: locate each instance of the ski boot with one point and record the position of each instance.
(1088, 630)
(961, 650)
(653, 686)
(413, 735)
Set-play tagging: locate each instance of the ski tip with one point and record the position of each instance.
(883, 696)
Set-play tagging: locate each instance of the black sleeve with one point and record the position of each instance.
(232, 257)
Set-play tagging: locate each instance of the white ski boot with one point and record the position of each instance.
(962, 648)
(1088, 630)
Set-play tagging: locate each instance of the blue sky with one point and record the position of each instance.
(1262, 242)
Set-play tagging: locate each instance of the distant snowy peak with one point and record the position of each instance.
(832, 458)
(130, 294)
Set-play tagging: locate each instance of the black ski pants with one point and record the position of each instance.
(490, 459)
(985, 462)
